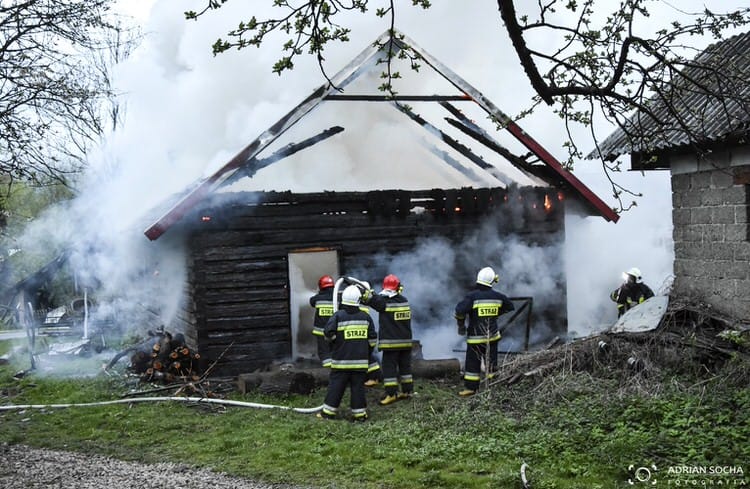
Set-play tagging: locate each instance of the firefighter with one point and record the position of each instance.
(394, 339)
(483, 306)
(351, 332)
(374, 372)
(322, 302)
(632, 291)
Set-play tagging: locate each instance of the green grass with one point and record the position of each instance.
(574, 431)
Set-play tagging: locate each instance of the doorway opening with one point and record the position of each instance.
(306, 266)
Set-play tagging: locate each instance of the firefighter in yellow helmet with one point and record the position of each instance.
(483, 306)
(632, 291)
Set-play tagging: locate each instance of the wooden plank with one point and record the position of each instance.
(269, 350)
(215, 296)
(246, 323)
(252, 268)
(244, 309)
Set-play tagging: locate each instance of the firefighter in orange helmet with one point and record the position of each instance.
(395, 339)
(322, 302)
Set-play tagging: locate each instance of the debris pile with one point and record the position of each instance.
(690, 340)
(163, 358)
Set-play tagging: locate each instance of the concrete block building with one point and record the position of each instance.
(706, 148)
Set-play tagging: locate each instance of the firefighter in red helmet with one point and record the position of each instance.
(322, 302)
(395, 339)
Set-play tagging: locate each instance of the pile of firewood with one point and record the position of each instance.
(163, 358)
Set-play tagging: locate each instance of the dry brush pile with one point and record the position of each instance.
(691, 342)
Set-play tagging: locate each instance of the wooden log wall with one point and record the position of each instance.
(239, 248)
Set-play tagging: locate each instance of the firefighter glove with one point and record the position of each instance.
(366, 295)
(461, 327)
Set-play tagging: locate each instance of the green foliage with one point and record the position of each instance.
(584, 434)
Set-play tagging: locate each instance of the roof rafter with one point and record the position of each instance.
(462, 149)
(368, 57)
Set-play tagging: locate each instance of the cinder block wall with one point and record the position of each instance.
(711, 235)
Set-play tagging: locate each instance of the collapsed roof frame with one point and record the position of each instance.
(246, 158)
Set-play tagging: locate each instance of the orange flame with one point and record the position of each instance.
(547, 203)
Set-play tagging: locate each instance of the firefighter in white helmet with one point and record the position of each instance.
(351, 332)
(483, 306)
(632, 291)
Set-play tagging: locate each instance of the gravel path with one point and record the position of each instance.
(23, 467)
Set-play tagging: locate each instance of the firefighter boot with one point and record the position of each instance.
(467, 393)
(388, 399)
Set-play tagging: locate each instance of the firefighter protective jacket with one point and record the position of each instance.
(483, 306)
(323, 304)
(630, 294)
(353, 336)
(394, 321)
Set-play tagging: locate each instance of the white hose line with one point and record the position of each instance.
(350, 280)
(336, 294)
(225, 402)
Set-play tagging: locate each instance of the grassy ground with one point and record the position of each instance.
(573, 429)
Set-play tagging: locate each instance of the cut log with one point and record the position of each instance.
(432, 369)
(286, 381)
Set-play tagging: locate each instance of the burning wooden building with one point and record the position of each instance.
(253, 257)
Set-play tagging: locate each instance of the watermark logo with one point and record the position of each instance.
(643, 475)
(688, 476)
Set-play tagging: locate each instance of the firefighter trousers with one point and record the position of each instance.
(475, 355)
(397, 371)
(339, 380)
(324, 351)
(374, 371)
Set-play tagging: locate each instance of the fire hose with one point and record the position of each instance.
(225, 402)
(351, 281)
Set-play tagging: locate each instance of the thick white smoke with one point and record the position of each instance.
(188, 112)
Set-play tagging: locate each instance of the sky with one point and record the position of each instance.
(188, 112)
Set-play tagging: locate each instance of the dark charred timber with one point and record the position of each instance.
(284, 381)
(435, 369)
(465, 125)
(252, 165)
(401, 98)
(453, 143)
(238, 296)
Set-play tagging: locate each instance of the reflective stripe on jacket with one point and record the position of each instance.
(483, 306)
(352, 331)
(323, 304)
(394, 321)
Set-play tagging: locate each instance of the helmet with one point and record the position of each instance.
(326, 281)
(391, 282)
(487, 276)
(636, 274)
(351, 295)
